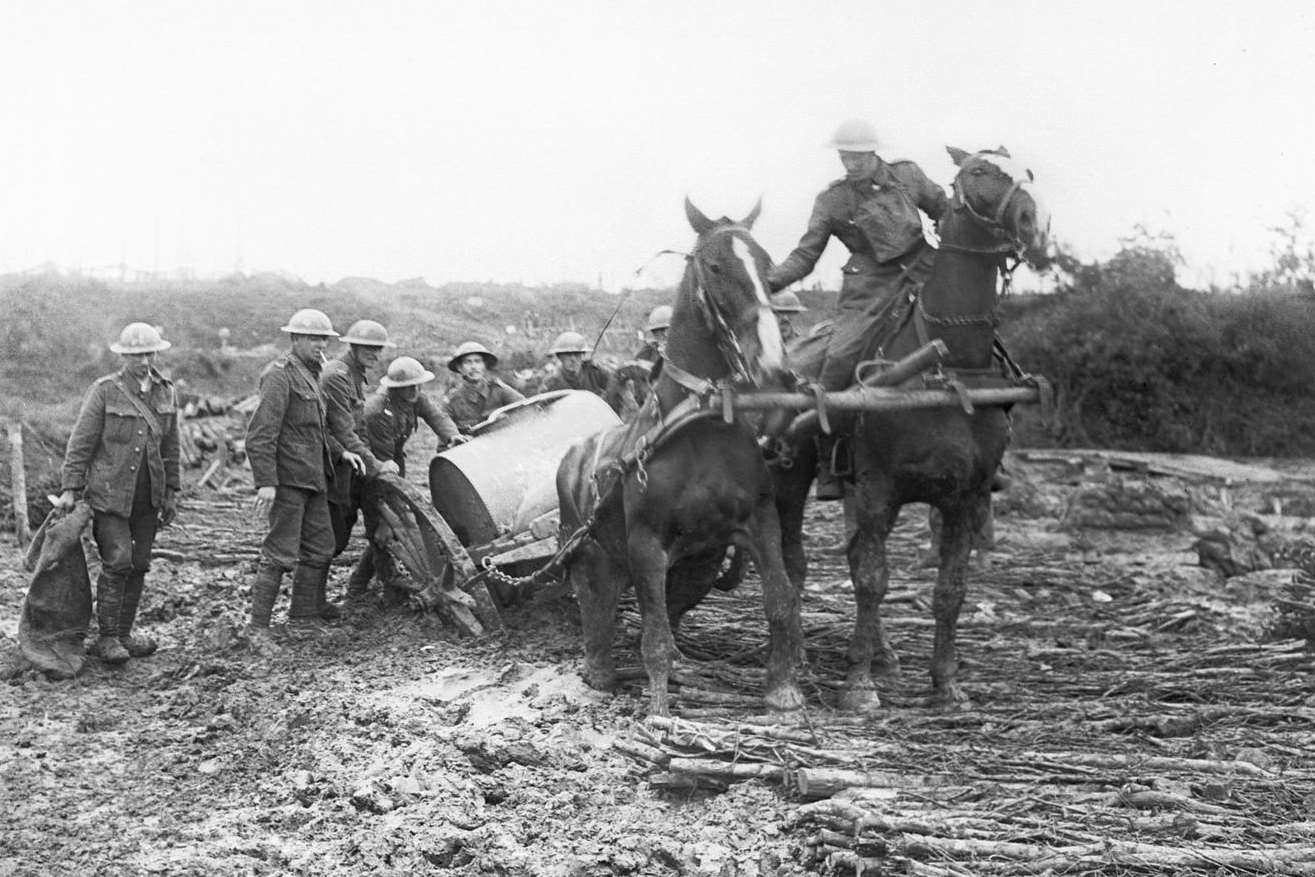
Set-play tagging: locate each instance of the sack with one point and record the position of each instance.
(890, 222)
(57, 609)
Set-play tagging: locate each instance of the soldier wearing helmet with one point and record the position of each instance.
(391, 415)
(292, 446)
(575, 372)
(785, 305)
(659, 320)
(123, 459)
(343, 383)
(875, 210)
(478, 393)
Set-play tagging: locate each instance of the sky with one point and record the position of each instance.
(543, 143)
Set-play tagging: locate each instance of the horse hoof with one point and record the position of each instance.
(600, 678)
(784, 699)
(863, 700)
(951, 698)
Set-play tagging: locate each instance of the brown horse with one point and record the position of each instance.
(940, 456)
(657, 501)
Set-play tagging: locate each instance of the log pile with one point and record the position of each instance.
(1121, 724)
(212, 437)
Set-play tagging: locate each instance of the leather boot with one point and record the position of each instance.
(828, 486)
(308, 584)
(264, 593)
(109, 603)
(138, 646)
(358, 584)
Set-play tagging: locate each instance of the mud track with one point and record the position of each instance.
(1131, 715)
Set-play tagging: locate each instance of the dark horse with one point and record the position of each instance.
(941, 456)
(656, 502)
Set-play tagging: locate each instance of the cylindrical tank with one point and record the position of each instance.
(507, 476)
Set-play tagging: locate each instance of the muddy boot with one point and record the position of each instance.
(264, 591)
(138, 645)
(109, 602)
(358, 584)
(304, 616)
(828, 486)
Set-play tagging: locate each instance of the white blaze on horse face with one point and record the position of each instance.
(772, 349)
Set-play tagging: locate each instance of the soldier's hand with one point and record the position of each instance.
(66, 500)
(459, 439)
(389, 467)
(170, 508)
(357, 464)
(264, 500)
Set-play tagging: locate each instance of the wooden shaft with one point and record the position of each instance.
(916, 362)
(18, 479)
(880, 399)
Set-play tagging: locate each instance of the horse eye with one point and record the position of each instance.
(714, 268)
(978, 171)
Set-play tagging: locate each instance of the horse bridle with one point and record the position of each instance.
(727, 341)
(1010, 244)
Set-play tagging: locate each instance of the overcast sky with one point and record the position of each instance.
(544, 142)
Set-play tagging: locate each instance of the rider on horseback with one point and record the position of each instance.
(874, 211)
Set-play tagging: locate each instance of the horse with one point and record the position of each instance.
(941, 456)
(657, 502)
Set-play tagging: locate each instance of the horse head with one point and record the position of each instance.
(724, 297)
(994, 189)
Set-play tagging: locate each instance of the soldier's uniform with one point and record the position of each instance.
(877, 219)
(593, 377)
(123, 457)
(288, 447)
(391, 420)
(469, 402)
(342, 382)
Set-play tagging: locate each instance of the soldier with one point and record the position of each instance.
(343, 383)
(874, 211)
(391, 415)
(659, 320)
(574, 372)
(292, 461)
(123, 458)
(478, 393)
(784, 305)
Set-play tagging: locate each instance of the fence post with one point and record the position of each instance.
(18, 480)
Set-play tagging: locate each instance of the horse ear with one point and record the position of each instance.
(1000, 150)
(697, 220)
(957, 154)
(749, 220)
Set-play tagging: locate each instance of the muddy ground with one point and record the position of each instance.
(1090, 650)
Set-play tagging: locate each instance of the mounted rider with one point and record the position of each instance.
(478, 393)
(875, 210)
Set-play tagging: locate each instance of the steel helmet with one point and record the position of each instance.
(787, 303)
(468, 348)
(367, 333)
(569, 342)
(855, 135)
(406, 371)
(140, 338)
(659, 318)
(309, 321)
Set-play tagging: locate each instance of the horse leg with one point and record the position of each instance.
(785, 647)
(960, 525)
(648, 569)
(868, 569)
(597, 581)
(792, 487)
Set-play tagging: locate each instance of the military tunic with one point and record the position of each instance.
(342, 382)
(592, 377)
(470, 402)
(288, 448)
(877, 219)
(390, 421)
